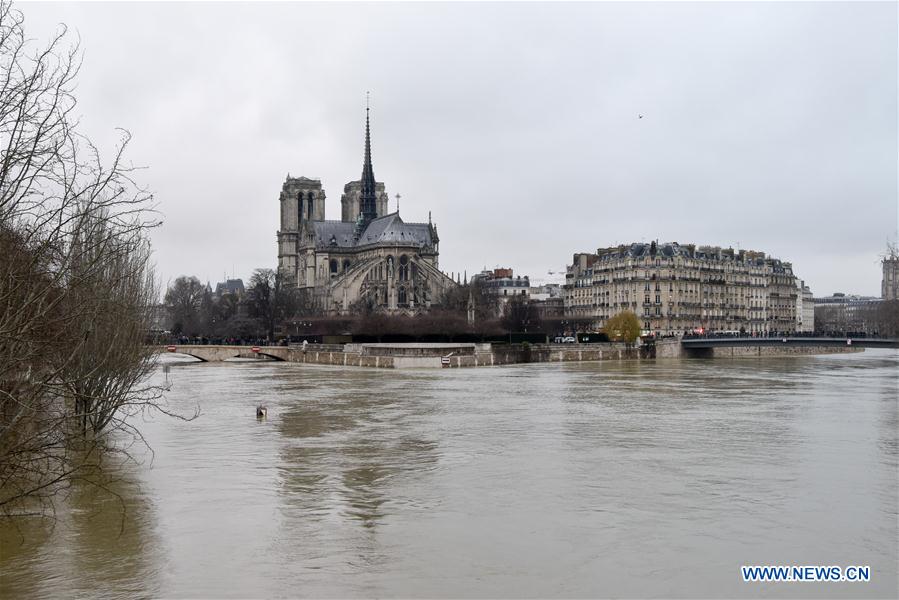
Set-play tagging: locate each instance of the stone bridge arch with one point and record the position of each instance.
(222, 353)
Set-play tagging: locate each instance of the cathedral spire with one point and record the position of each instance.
(368, 201)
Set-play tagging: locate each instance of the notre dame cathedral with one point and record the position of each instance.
(370, 257)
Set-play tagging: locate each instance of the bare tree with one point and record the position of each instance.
(113, 288)
(887, 318)
(262, 298)
(521, 316)
(270, 301)
(75, 278)
(485, 303)
(184, 301)
(892, 251)
(224, 314)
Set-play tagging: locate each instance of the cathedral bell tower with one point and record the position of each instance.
(302, 201)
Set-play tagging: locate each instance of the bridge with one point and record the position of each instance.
(720, 342)
(714, 346)
(212, 353)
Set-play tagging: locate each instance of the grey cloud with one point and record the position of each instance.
(771, 125)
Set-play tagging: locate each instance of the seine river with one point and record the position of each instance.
(621, 479)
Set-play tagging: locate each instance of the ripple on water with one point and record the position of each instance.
(602, 479)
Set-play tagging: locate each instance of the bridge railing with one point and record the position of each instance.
(319, 347)
(204, 341)
(864, 342)
(779, 334)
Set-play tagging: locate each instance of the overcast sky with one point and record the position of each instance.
(767, 126)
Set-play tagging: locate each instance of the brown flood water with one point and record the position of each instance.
(628, 479)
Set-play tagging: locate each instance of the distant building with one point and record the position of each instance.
(890, 284)
(230, 286)
(843, 314)
(503, 283)
(369, 257)
(545, 292)
(548, 300)
(674, 288)
(551, 308)
(805, 308)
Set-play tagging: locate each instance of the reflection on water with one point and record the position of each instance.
(100, 542)
(612, 479)
(350, 443)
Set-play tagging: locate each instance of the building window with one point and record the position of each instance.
(404, 268)
(401, 295)
(333, 267)
(346, 264)
(309, 200)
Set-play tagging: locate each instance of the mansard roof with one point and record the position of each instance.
(672, 249)
(389, 229)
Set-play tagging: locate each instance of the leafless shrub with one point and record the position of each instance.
(76, 281)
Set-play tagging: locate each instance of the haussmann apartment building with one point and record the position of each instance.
(674, 288)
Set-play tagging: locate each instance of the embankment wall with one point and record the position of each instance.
(472, 355)
(674, 349)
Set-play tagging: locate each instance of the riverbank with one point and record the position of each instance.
(673, 348)
(461, 355)
(405, 356)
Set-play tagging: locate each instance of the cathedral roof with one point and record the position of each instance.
(333, 233)
(389, 229)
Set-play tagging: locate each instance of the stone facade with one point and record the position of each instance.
(889, 287)
(352, 198)
(503, 283)
(674, 288)
(369, 257)
(805, 308)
